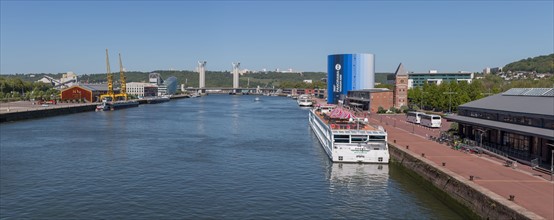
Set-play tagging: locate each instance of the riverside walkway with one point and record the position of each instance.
(531, 190)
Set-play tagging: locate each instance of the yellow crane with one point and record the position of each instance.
(110, 94)
(123, 90)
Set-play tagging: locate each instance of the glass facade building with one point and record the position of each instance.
(169, 86)
(418, 79)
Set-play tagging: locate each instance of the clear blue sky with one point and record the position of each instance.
(61, 36)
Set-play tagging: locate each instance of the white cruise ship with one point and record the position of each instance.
(348, 139)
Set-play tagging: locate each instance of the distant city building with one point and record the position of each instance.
(308, 81)
(45, 80)
(68, 79)
(155, 78)
(519, 123)
(169, 87)
(486, 71)
(141, 89)
(418, 79)
(496, 69)
(489, 70)
(348, 72)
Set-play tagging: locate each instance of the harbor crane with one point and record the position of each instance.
(110, 94)
(122, 79)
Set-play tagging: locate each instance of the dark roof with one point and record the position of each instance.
(96, 87)
(372, 90)
(542, 132)
(400, 71)
(439, 73)
(541, 105)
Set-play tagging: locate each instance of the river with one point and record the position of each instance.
(213, 157)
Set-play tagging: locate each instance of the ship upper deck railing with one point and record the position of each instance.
(352, 123)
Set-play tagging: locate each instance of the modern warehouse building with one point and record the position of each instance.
(518, 123)
(347, 72)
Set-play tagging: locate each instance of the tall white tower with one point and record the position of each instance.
(236, 67)
(202, 76)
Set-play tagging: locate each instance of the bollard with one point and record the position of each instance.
(395, 141)
(443, 164)
(471, 178)
(423, 154)
(407, 146)
(512, 197)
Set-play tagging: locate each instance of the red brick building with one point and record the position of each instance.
(87, 92)
(400, 87)
(369, 100)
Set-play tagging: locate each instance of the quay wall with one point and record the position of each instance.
(47, 112)
(458, 191)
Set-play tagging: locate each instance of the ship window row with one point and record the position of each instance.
(357, 138)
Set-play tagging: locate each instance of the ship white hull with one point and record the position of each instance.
(364, 152)
(305, 104)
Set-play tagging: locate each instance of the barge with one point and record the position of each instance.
(110, 106)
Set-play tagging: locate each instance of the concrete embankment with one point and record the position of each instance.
(24, 110)
(45, 112)
(456, 190)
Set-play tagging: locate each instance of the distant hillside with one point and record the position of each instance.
(540, 64)
(190, 78)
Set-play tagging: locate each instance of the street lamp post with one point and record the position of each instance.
(421, 100)
(551, 161)
(481, 137)
(450, 105)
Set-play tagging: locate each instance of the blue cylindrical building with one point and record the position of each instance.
(346, 72)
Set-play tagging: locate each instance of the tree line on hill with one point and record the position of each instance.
(219, 78)
(448, 96)
(24, 86)
(539, 64)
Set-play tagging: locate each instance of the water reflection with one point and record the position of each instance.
(358, 175)
(359, 188)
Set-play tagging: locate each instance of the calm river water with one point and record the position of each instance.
(215, 157)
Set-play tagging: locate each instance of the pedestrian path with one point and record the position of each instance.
(531, 190)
